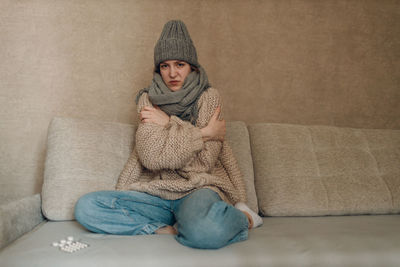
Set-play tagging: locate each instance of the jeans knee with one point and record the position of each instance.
(202, 235)
(84, 206)
(207, 232)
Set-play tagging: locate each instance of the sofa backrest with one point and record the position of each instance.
(298, 170)
(82, 156)
(321, 170)
(85, 156)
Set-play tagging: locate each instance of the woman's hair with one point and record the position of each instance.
(194, 68)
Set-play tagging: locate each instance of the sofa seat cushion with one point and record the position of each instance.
(324, 170)
(281, 241)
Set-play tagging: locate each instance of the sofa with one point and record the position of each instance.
(329, 196)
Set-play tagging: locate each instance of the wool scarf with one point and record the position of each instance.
(181, 103)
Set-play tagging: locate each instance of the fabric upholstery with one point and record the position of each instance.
(19, 217)
(321, 170)
(85, 156)
(281, 241)
(82, 156)
(237, 136)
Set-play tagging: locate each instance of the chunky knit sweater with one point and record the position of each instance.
(172, 161)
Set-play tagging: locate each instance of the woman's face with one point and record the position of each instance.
(174, 73)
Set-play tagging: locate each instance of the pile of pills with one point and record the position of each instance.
(69, 245)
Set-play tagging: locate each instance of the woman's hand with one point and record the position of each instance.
(215, 129)
(154, 115)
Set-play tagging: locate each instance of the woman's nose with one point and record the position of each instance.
(172, 72)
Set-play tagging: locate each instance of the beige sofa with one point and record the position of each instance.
(304, 180)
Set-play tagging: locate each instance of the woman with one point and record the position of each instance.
(180, 171)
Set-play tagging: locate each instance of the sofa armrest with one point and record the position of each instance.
(19, 217)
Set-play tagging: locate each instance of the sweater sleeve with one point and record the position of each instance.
(169, 147)
(206, 159)
(131, 171)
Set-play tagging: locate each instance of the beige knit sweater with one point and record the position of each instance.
(173, 161)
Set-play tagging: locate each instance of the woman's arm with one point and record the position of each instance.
(169, 147)
(164, 142)
(206, 159)
(215, 129)
(164, 147)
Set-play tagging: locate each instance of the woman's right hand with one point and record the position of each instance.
(154, 115)
(215, 129)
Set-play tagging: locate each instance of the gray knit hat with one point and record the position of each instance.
(175, 43)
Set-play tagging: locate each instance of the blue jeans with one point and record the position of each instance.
(203, 219)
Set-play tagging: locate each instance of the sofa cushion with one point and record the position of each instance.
(322, 170)
(281, 241)
(85, 156)
(237, 136)
(82, 156)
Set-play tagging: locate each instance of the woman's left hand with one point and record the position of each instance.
(215, 129)
(154, 115)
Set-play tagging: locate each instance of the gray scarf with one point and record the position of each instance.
(182, 103)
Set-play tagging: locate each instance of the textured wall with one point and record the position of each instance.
(308, 62)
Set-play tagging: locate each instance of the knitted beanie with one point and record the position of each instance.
(175, 44)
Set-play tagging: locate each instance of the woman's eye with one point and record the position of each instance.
(181, 64)
(163, 66)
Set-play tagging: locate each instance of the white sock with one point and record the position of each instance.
(257, 220)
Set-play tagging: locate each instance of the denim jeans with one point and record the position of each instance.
(203, 219)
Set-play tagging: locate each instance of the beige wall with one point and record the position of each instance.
(307, 62)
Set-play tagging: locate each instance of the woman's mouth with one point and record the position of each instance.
(174, 82)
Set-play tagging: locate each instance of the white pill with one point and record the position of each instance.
(63, 241)
(70, 238)
(55, 244)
